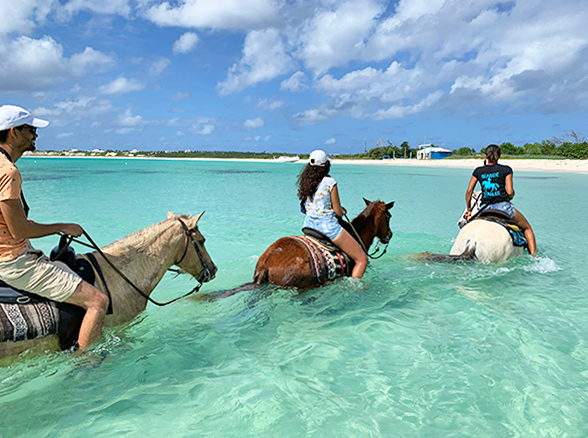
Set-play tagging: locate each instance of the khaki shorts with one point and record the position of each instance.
(33, 272)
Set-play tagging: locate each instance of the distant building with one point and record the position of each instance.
(430, 152)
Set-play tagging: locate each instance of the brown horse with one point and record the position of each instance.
(287, 263)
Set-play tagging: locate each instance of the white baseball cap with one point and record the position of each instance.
(12, 116)
(318, 158)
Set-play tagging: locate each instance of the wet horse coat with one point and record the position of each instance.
(144, 258)
(287, 262)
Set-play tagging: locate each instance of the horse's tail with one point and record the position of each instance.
(213, 296)
(260, 276)
(468, 254)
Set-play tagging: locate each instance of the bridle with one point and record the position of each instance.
(204, 276)
(380, 241)
(207, 272)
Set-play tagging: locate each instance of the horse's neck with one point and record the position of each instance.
(143, 257)
(364, 227)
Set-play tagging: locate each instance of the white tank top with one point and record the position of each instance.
(320, 205)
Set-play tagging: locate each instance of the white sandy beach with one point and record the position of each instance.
(522, 165)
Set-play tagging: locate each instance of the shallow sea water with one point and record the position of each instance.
(420, 349)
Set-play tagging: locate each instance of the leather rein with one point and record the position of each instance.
(372, 255)
(205, 275)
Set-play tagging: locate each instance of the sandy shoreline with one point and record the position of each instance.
(530, 165)
(522, 165)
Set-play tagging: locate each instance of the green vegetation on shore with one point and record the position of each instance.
(570, 146)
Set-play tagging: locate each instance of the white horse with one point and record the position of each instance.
(478, 239)
(483, 240)
(143, 257)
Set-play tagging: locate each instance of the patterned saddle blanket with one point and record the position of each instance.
(327, 262)
(38, 318)
(25, 316)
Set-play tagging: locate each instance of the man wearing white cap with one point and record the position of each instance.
(21, 266)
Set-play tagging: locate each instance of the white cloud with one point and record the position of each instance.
(295, 83)
(205, 129)
(128, 120)
(217, 14)
(333, 37)
(186, 43)
(159, 66)
(90, 58)
(331, 141)
(264, 58)
(398, 111)
(118, 7)
(270, 105)
(254, 123)
(181, 96)
(39, 64)
(22, 15)
(121, 85)
(313, 116)
(67, 111)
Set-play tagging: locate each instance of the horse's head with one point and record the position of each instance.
(380, 214)
(193, 257)
(475, 204)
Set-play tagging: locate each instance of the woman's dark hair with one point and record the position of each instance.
(310, 178)
(493, 153)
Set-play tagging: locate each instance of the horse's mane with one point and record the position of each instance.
(136, 240)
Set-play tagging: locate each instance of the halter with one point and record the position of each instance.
(205, 275)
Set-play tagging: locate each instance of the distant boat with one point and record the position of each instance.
(287, 159)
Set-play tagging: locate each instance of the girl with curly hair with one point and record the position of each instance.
(319, 199)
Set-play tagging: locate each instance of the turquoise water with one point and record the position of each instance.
(423, 350)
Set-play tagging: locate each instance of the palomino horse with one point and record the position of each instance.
(143, 258)
(479, 239)
(287, 263)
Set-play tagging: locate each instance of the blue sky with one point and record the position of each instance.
(295, 75)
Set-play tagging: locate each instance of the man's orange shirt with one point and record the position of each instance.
(10, 186)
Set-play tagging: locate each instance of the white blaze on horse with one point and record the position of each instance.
(143, 258)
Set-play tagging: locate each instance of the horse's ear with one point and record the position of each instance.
(389, 205)
(366, 201)
(197, 218)
(170, 215)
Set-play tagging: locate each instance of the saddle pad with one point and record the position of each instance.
(326, 264)
(19, 322)
(516, 234)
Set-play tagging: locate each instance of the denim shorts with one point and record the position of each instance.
(329, 225)
(505, 207)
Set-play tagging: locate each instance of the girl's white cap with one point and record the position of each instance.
(318, 158)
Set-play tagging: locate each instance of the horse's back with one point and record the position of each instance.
(284, 263)
(489, 240)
